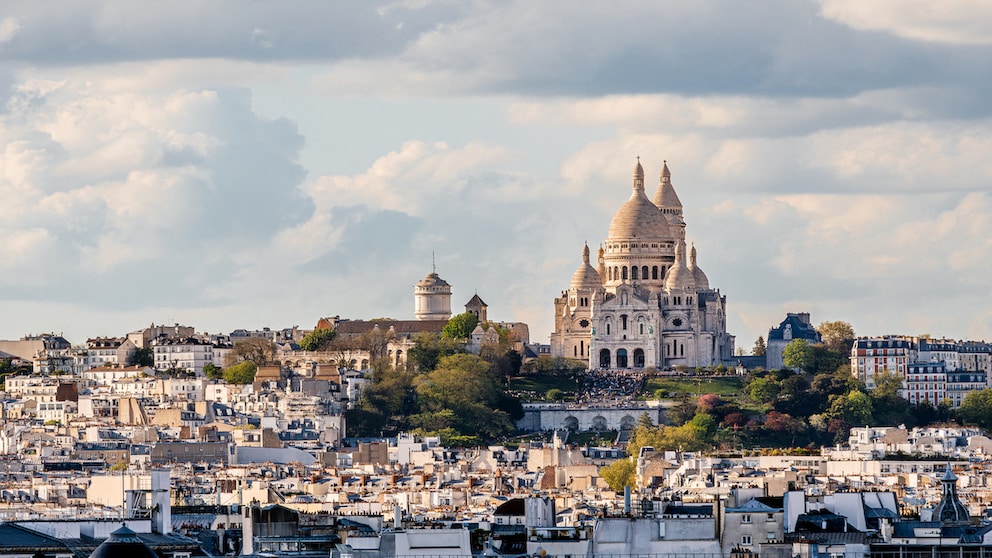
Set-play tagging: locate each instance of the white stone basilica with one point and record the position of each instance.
(645, 304)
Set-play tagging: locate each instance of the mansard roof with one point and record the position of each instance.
(800, 329)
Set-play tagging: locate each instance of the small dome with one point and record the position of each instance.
(586, 277)
(665, 196)
(702, 282)
(679, 276)
(123, 543)
(432, 280)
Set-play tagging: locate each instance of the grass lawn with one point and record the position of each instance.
(725, 386)
(541, 383)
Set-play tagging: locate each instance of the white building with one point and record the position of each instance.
(647, 303)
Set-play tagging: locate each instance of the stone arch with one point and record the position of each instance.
(571, 423)
(604, 358)
(638, 358)
(365, 364)
(621, 358)
(634, 275)
(644, 272)
(627, 421)
(599, 423)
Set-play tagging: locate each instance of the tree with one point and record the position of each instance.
(798, 354)
(240, 373)
(317, 339)
(460, 326)
(759, 347)
(428, 349)
(853, 408)
(255, 349)
(212, 371)
(464, 384)
(144, 357)
(976, 408)
(683, 410)
(761, 390)
(836, 335)
(554, 394)
(619, 474)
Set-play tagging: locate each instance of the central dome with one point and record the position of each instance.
(638, 218)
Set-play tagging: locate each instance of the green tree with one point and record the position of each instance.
(255, 349)
(853, 408)
(212, 371)
(460, 326)
(464, 384)
(759, 347)
(144, 357)
(976, 408)
(554, 394)
(240, 373)
(683, 410)
(836, 335)
(619, 474)
(887, 384)
(428, 349)
(645, 420)
(317, 339)
(798, 354)
(762, 390)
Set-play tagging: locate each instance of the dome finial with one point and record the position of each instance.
(585, 253)
(638, 175)
(666, 175)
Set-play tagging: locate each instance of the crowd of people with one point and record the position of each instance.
(604, 385)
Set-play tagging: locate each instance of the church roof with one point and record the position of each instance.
(679, 276)
(638, 218)
(476, 300)
(586, 277)
(665, 196)
(702, 282)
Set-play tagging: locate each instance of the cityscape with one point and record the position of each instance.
(426, 279)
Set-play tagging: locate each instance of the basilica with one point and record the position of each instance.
(646, 303)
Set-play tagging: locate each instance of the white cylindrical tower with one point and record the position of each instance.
(432, 298)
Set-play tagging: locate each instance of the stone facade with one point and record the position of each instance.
(647, 303)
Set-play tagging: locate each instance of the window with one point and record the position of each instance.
(746, 518)
(746, 540)
(769, 536)
(771, 517)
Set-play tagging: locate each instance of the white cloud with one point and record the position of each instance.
(947, 21)
(9, 26)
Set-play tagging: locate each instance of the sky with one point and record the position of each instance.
(247, 164)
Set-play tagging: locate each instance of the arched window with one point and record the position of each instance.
(638, 358)
(633, 273)
(616, 273)
(644, 272)
(575, 351)
(663, 271)
(688, 300)
(623, 322)
(607, 328)
(582, 348)
(654, 272)
(641, 327)
(621, 358)
(623, 273)
(604, 358)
